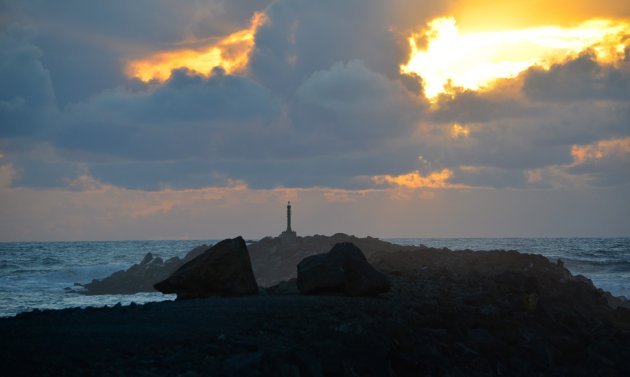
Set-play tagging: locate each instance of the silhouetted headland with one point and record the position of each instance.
(273, 259)
(338, 306)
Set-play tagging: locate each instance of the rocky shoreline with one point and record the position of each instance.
(273, 260)
(447, 313)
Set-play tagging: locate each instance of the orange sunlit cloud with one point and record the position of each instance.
(230, 53)
(599, 150)
(452, 58)
(458, 131)
(560, 176)
(415, 179)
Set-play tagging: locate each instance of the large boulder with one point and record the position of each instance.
(343, 270)
(274, 261)
(223, 270)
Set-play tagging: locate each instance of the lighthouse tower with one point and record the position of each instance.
(289, 234)
(289, 217)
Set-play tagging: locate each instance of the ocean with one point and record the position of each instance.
(35, 275)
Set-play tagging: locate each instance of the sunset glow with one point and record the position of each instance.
(452, 58)
(230, 53)
(600, 149)
(458, 131)
(155, 120)
(415, 179)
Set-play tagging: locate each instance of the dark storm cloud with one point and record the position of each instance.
(157, 22)
(26, 92)
(194, 131)
(41, 173)
(609, 171)
(543, 137)
(313, 166)
(483, 176)
(188, 116)
(469, 106)
(580, 79)
(349, 100)
(187, 98)
(305, 36)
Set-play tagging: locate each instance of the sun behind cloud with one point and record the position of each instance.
(451, 58)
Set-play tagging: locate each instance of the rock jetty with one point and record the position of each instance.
(273, 259)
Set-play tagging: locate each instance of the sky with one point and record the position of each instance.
(192, 119)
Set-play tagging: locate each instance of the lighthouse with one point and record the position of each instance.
(289, 217)
(289, 234)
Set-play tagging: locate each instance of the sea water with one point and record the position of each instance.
(35, 275)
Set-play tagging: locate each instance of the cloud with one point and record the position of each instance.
(193, 130)
(7, 174)
(513, 132)
(86, 43)
(599, 164)
(459, 131)
(488, 177)
(349, 100)
(320, 115)
(188, 98)
(579, 79)
(315, 106)
(604, 162)
(231, 53)
(189, 116)
(27, 97)
(415, 180)
(503, 101)
(602, 149)
(93, 210)
(294, 44)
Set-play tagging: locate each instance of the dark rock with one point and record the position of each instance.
(530, 302)
(140, 277)
(288, 287)
(287, 370)
(350, 328)
(343, 270)
(137, 278)
(243, 363)
(147, 258)
(448, 313)
(274, 261)
(223, 270)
